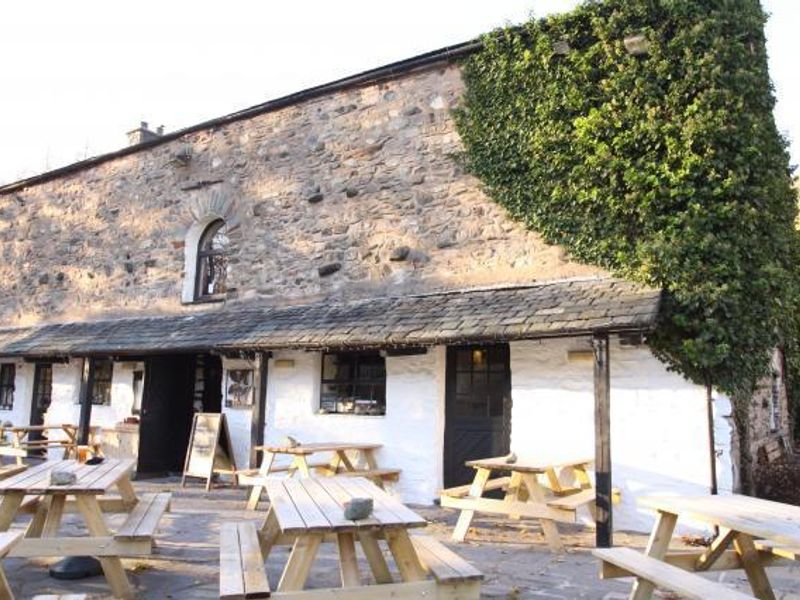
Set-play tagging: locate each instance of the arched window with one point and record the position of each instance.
(212, 261)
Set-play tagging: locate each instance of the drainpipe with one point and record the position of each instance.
(712, 452)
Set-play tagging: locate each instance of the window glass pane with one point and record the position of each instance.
(7, 375)
(353, 382)
(464, 359)
(101, 386)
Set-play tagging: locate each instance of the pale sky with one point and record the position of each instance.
(76, 75)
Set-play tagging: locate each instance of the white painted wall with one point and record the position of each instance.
(239, 419)
(20, 413)
(658, 421)
(411, 431)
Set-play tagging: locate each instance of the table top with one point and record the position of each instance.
(498, 463)
(759, 518)
(318, 447)
(316, 505)
(91, 479)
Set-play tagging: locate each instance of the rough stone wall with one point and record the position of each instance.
(363, 180)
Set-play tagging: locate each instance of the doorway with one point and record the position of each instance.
(42, 394)
(166, 415)
(477, 408)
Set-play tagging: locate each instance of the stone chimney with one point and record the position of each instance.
(143, 134)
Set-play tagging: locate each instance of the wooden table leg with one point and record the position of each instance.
(759, 583)
(255, 494)
(348, 465)
(269, 534)
(112, 565)
(369, 457)
(295, 574)
(475, 491)
(377, 563)
(5, 589)
(512, 493)
(127, 492)
(348, 563)
(299, 463)
(405, 556)
(715, 550)
(54, 514)
(536, 496)
(8, 508)
(657, 547)
(35, 527)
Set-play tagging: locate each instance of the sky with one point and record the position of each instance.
(75, 76)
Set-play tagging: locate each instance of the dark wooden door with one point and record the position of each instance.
(477, 408)
(166, 417)
(42, 394)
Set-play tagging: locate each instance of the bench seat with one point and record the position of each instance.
(498, 483)
(382, 474)
(445, 565)
(143, 519)
(666, 576)
(573, 501)
(241, 566)
(778, 549)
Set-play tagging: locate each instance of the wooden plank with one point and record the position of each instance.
(54, 513)
(384, 474)
(289, 519)
(333, 511)
(295, 574)
(405, 555)
(686, 560)
(403, 515)
(348, 562)
(493, 506)
(143, 520)
(666, 576)
(573, 501)
(19, 482)
(375, 558)
(81, 546)
(253, 573)
(657, 547)
(759, 583)
(777, 550)
(420, 590)
(498, 483)
(342, 494)
(445, 564)
(315, 447)
(8, 508)
(537, 497)
(715, 550)
(499, 463)
(7, 541)
(475, 492)
(231, 577)
(311, 514)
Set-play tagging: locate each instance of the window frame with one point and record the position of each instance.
(7, 385)
(202, 255)
(105, 393)
(353, 381)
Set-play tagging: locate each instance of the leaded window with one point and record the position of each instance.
(101, 383)
(353, 383)
(212, 261)
(7, 376)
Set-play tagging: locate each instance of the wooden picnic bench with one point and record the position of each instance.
(753, 534)
(49, 502)
(525, 495)
(23, 442)
(346, 459)
(304, 513)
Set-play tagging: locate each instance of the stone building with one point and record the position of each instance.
(320, 266)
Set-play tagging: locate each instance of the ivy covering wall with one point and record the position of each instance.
(640, 136)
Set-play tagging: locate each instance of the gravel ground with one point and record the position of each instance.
(512, 554)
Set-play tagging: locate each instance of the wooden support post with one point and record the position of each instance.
(259, 406)
(87, 383)
(602, 441)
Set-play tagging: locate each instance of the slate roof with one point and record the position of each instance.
(572, 307)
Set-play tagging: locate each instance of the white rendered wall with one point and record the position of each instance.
(659, 439)
(20, 413)
(411, 431)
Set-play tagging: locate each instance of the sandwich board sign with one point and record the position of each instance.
(210, 450)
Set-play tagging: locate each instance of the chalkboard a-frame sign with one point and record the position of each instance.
(210, 450)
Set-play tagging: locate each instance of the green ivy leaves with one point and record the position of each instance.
(664, 167)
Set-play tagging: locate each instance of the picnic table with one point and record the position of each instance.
(753, 534)
(346, 458)
(304, 513)
(36, 437)
(48, 503)
(525, 495)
